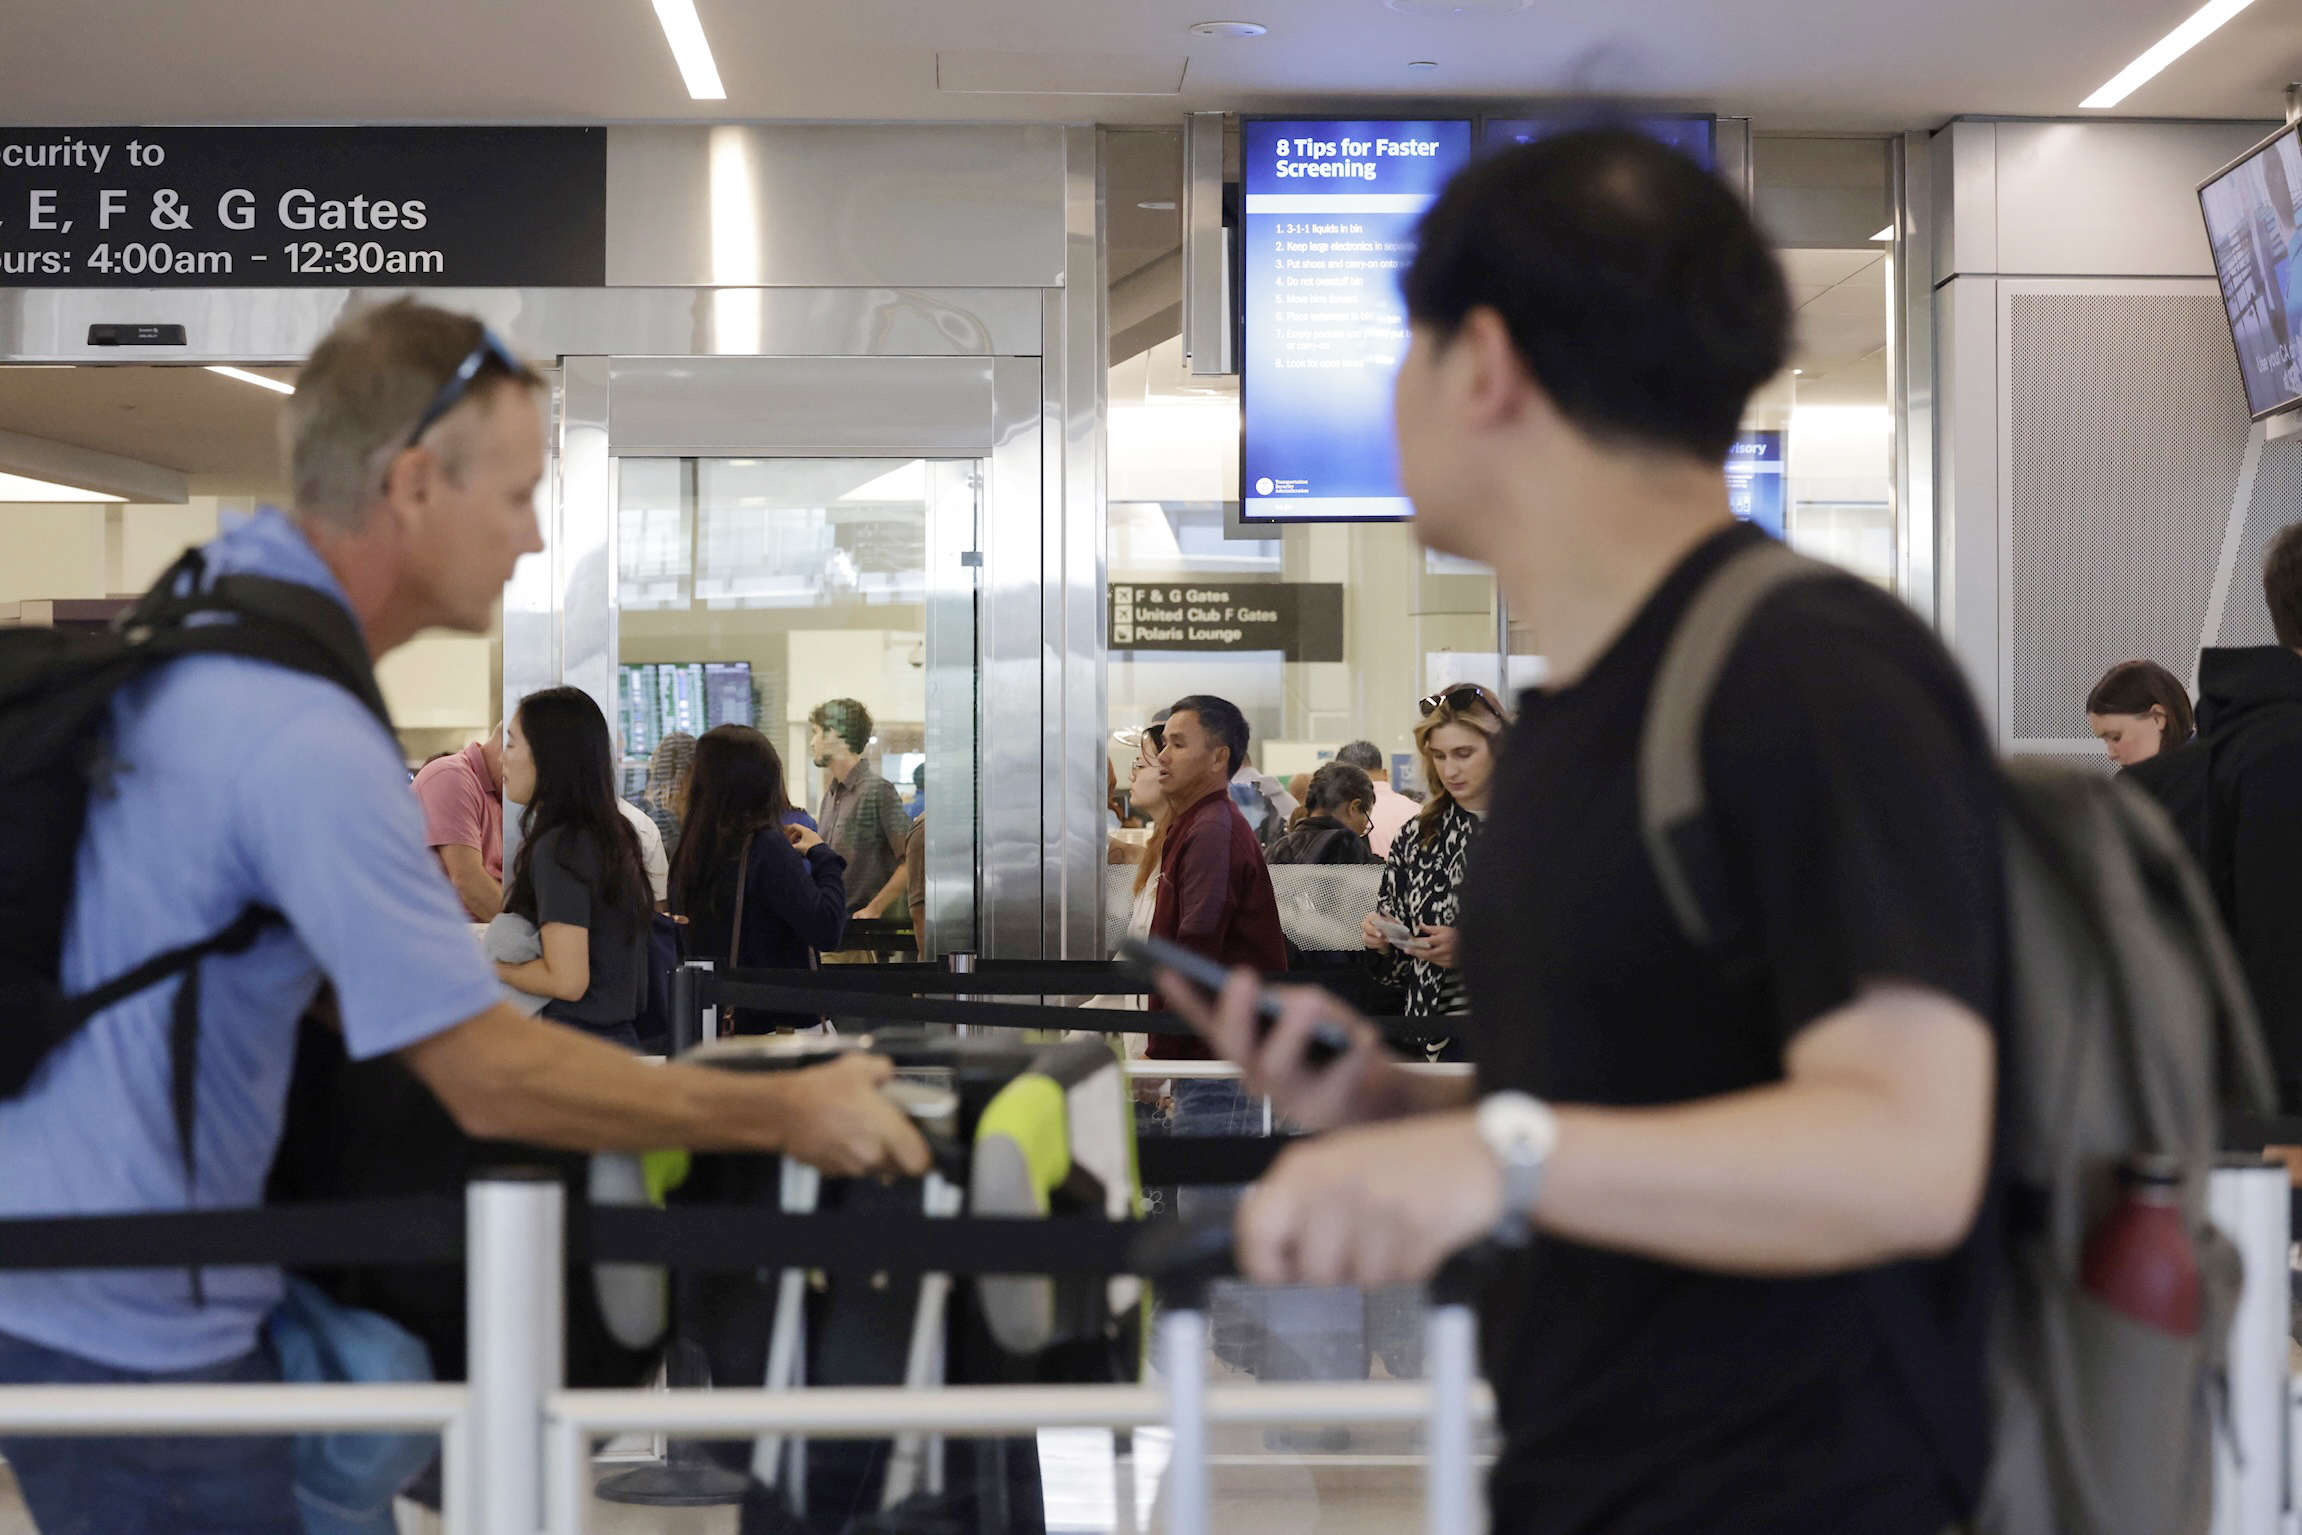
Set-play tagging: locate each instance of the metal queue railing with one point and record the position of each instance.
(514, 1441)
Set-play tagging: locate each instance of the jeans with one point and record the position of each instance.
(142, 1485)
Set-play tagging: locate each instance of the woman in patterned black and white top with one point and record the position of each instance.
(1459, 739)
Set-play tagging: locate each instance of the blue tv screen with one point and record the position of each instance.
(2253, 212)
(1328, 228)
(1695, 136)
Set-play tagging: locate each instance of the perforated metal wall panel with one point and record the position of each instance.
(2125, 435)
(2276, 501)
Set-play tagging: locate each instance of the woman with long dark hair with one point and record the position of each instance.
(578, 875)
(739, 847)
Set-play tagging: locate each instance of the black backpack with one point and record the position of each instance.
(56, 692)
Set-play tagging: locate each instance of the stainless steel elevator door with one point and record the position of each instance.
(750, 590)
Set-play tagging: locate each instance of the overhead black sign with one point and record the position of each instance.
(1303, 619)
(303, 207)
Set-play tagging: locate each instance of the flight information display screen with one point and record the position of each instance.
(681, 698)
(1330, 213)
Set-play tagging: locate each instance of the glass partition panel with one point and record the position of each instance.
(753, 590)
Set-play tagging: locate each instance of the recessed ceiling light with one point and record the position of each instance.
(1229, 28)
(683, 29)
(1885, 234)
(1422, 63)
(17, 487)
(1157, 206)
(258, 379)
(1457, 7)
(1798, 373)
(2201, 25)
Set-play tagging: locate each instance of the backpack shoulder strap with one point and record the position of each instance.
(1673, 803)
(279, 622)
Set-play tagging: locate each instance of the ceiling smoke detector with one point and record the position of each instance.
(1457, 7)
(1229, 28)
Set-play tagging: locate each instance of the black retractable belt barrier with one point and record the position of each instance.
(874, 1007)
(418, 1230)
(428, 1229)
(995, 978)
(431, 1231)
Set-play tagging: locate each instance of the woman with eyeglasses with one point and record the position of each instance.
(1411, 932)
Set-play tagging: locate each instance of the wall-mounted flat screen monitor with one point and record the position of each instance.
(1754, 476)
(1693, 135)
(659, 699)
(1330, 214)
(2253, 214)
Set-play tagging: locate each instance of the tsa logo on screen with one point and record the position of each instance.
(1266, 486)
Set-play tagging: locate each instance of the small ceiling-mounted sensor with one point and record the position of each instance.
(1229, 28)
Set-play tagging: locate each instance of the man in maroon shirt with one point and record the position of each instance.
(1215, 893)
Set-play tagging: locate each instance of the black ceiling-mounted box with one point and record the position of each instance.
(137, 335)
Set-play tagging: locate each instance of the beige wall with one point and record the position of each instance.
(52, 551)
(441, 687)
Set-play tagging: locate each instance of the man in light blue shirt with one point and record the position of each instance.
(417, 446)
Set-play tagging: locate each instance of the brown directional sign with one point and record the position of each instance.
(1302, 619)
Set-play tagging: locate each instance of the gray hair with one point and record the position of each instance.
(1338, 786)
(362, 391)
(1366, 756)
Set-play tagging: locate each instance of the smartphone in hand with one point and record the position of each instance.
(1149, 957)
(1397, 933)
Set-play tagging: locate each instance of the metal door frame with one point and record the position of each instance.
(985, 410)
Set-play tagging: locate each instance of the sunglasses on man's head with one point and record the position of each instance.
(459, 383)
(1463, 695)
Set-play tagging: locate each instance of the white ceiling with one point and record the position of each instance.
(1792, 64)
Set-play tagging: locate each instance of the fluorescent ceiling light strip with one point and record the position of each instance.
(2203, 23)
(18, 487)
(258, 379)
(683, 29)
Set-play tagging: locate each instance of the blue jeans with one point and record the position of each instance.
(148, 1486)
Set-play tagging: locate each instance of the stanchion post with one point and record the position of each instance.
(687, 1006)
(961, 963)
(1450, 1365)
(2249, 1203)
(515, 1245)
(1183, 1360)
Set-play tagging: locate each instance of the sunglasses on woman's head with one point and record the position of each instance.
(1462, 695)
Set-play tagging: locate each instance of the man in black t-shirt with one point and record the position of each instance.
(1757, 1177)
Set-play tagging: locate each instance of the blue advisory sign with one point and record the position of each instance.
(1754, 476)
(1696, 137)
(1331, 210)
